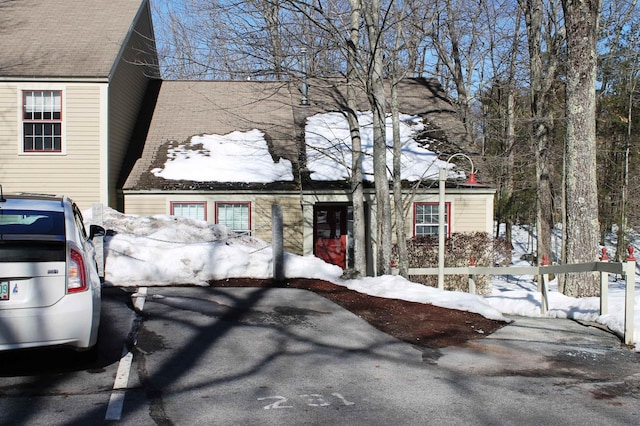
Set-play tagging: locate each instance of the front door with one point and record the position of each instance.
(330, 229)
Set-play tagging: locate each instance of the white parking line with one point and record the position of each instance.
(116, 400)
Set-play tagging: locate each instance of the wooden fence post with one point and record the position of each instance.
(544, 290)
(630, 285)
(604, 285)
(277, 242)
(472, 280)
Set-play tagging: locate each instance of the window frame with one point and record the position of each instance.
(24, 121)
(447, 225)
(247, 231)
(173, 204)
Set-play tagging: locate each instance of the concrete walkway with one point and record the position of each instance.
(547, 347)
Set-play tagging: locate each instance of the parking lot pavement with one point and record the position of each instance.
(291, 357)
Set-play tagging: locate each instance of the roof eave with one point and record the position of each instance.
(56, 79)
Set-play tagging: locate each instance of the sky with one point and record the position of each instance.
(163, 250)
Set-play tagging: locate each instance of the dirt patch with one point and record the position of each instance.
(420, 324)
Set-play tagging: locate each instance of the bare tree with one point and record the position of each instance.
(377, 101)
(544, 29)
(357, 190)
(581, 22)
(396, 74)
(456, 36)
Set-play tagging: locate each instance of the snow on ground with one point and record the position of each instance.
(166, 250)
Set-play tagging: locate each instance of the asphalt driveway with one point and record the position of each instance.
(289, 356)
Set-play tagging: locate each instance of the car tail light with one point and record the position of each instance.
(76, 278)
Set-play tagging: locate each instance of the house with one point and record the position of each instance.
(73, 76)
(226, 151)
(83, 112)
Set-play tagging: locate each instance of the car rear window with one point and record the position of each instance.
(31, 222)
(32, 236)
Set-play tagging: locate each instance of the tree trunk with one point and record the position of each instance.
(544, 204)
(271, 11)
(581, 22)
(398, 199)
(401, 234)
(621, 246)
(542, 76)
(511, 134)
(359, 241)
(376, 96)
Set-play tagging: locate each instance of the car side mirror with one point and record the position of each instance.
(96, 231)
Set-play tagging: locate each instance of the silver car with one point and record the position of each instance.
(50, 291)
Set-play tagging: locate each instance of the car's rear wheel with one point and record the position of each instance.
(88, 356)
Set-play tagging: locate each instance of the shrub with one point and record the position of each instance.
(459, 249)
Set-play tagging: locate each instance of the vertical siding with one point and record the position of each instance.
(76, 172)
(127, 88)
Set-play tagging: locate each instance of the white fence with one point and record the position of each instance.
(626, 269)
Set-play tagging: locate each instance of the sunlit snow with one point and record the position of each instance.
(245, 157)
(165, 250)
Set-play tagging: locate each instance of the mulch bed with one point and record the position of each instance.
(420, 324)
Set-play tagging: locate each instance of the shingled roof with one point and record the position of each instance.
(63, 39)
(184, 109)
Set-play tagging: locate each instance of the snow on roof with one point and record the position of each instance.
(245, 156)
(328, 141)
(235, 157)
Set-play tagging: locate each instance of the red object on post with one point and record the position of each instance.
(604, 257)
(630, 255)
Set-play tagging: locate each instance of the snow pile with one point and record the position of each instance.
(167, 250)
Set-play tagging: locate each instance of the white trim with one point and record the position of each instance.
(42, 86)
(55, 80)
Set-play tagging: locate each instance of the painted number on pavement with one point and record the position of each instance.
(310, 399)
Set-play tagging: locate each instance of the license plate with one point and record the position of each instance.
(4, 290)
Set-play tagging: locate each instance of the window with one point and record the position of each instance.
(191, 210)
(235, 216)
(426, 219)
(42, 121)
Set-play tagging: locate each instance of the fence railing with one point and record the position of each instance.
(626, 269)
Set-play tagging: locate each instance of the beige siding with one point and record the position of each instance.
(469, 212)
(127, 89)
(146, 204)
(469, 215)
(292, 219)
(75, 172)
(8, 132)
